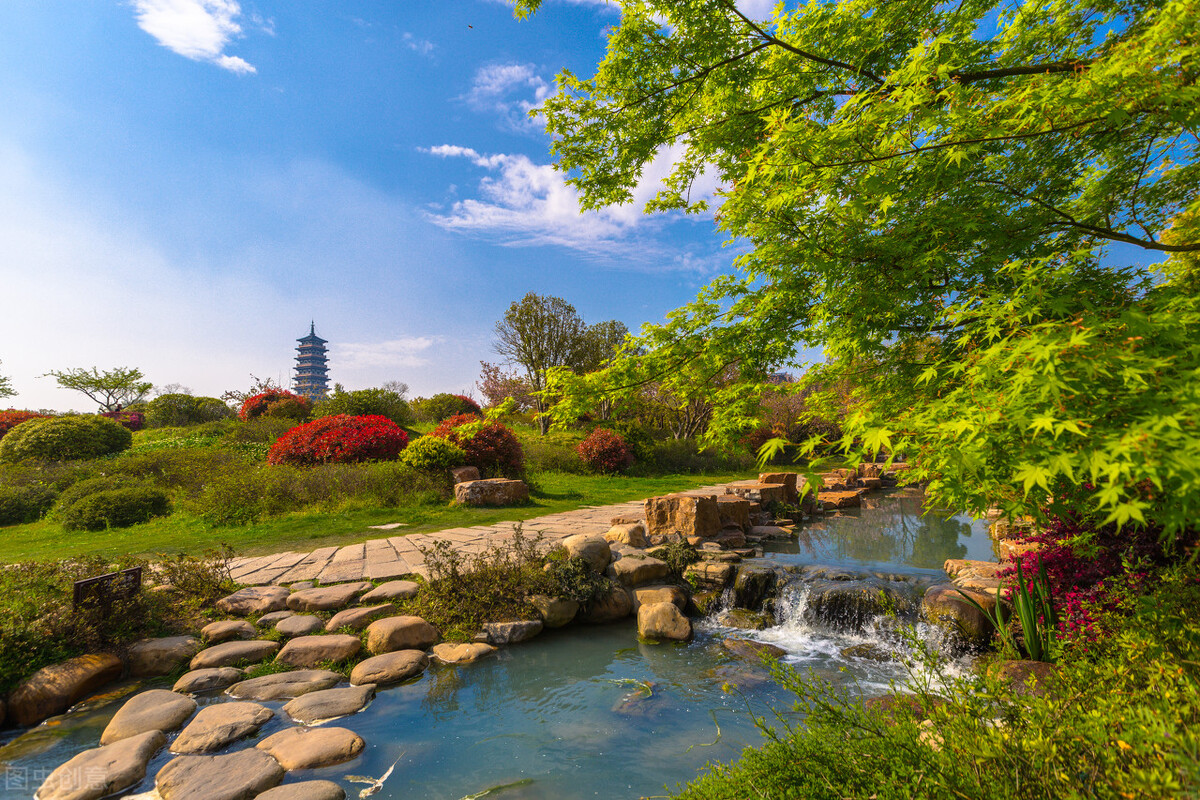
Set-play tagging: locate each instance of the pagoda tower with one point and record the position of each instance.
(312, 370)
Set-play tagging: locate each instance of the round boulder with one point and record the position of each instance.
(554, 611)
(285, 685)
(400, 633)
(328, 704)
(219, 725)
(53, 689)
(103, 771)
(663, 621)
(227, 629)
(254, 600)
(392, 590)
(231, 653)
(309, 748)
(613, 605)
(450, 653)
(152, 657)
(207, 680)
(300, 625)
(592, 549)
(153, 710)
(389, 668)
(305, 790)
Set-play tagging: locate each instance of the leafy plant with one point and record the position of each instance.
(365, 402)
(339, 439)
(491, 447)
(443, 406)
(177, 410)
(115, 508)
(605, 451)
(11, 418)
(433, 454)
(64, 438)
(275, 403)
(1033, 607)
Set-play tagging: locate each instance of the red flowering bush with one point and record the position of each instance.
(275, 403)
(605, 451)
(491, 447)
(12, 418)
(339, 439)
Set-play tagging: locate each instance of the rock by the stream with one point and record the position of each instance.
(208, 679)
(219, 725)
(744, 619)
(305, 790)
(632, 534)
(254, 600)
(502, 633)
(1025, 677)
(613, 605)
(389, 668)
(491, 492)
(152, 710)
(300, 625)
(359, 618)
(709, 575)
(152, 657)
(309, 651)
(451, 653)
(595, 550)
(638, 571)
(103, 771)
(273, 619)
(867, 650)
(326, 598)
(237, 776)
(285, 685)
(752, 651)
(53, 689)
(400, 633)
(231, 653)
(392, 590)
(945, 606)
(753, 585)
(309, 748)
(555, 611)
(661, 593)
(850, 605)
(663, 621)
(329, 704)
(677, 517)
(733, 511)
(226, 629)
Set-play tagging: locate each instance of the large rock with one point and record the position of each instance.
(237, 776)
(786, 479)
(325, 598)
(227, 629)
(285, 685)
(638, 571)
(710, 575)
(309, 651)
(219, 725)
(152, 657)
(677, 517)
(465, 474)
(613, 605)
(392, 590)
(765, 494)
(502, 633)
(207, 680)
(753, 585)
(850, 605)
(491, 492)
(744, 619)
(663, 621)
(451, 653)
(53, 689)
(733, 511)
(945, 606)
(254, 600)
(300, 625)
(310, 748)
(840, 499)
(232, 653)
(359, 618)
(329, 704)
(752, 651)
(400, 633)
(153, 710)
(632, 534)
(555, 611)
(660, 594)
(305, 790)
(595, 550)
(389, 668)
(103, 771)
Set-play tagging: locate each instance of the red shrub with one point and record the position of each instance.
(493, 448)
(605, 451)
(275, 403)
(133, 420)
(12, 418)
(341, 439)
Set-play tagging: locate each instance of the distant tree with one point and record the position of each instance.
(397, 387)
(600, 343)
(172, 388)
(365, 402)
(112, 389)
(6, 389)
(496, 385)
(257, 386)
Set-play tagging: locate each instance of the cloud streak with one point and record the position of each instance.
(196, 29)
(402, 352)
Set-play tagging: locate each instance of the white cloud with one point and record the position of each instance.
(403, 352)
(421, 46)
(195, 29)
(510, 90)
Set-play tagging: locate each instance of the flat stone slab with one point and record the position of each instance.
(237, 776)
(451, 653)
(329, 704)
(359, 618)
(53, 689)
(305, 790)
(230, 653)
(326, 598)
(400, 633)
(272, 619)
(309, 748)
(389, 668)
(221, 724)
(300, 625)
(286, 685)
(151, 657)
(103, 771)
(208, 679)
(634, 571)
(309, 651)
(153, 710)
(254, 600)
(392, 590)
(660, 594)
(227, 629)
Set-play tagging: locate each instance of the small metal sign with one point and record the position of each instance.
(103, 589)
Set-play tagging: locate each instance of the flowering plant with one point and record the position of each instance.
(605, 451)
(275, 403)
(339, 439)
(12, 418)
(489, 446)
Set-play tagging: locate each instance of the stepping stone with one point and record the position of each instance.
(359, 618)
(450, 653)
(151, 657)
(300, 625)
(254, 600)
(227, 629)
(219, 725)
(309, 651)
(389, 668)
(329, 704)
(230, 653)
(103, 771)
(400, 633)
(327, 598)
(635, 571)
(206, 680)
(286, 685)
(270, 620)
(237, 776)
(305, 790)
(392, 590)
(308, 748)
(499, 633)
(300, 586)
(53, 689)
(153, 710)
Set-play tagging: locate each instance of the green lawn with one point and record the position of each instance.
(307, 531)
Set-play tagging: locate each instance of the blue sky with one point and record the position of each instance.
(184, 184)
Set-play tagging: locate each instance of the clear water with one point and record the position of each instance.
(589, 711)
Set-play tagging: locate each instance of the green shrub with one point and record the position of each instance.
(19, 504)
(115, 508)
(554, 452)
(431, 454)
(365, 403)
(443, 406)
(65, 438)
(680, 456)
(89, 486)
(178, 410)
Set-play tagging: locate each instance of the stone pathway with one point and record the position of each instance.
(395, 556)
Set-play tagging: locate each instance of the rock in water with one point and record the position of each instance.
(309, 748)
(219, 725)
(53, 689)
(330, 703)
(153, 710)
(285, 685)
(230, 653)
(400, 633)
(309, 651)
(103, 771)
(305, 790)
(389, 668)
(237, 776)
(663, 621)
(207, 680)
